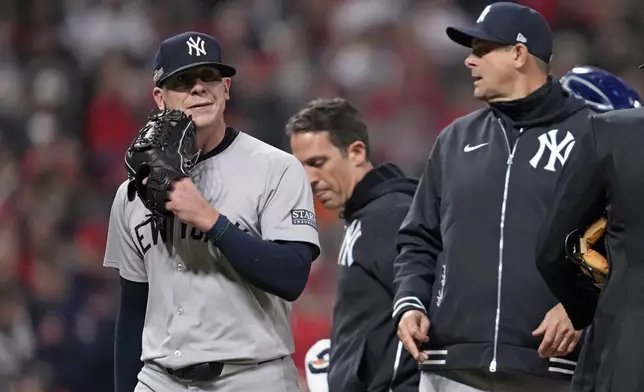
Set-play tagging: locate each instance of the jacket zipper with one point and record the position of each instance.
(503, 209)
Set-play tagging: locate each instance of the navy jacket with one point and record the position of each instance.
(365, 351)
(606, 169)
(467, 244)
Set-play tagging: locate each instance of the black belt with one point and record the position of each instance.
(199, 372)
(207, 371)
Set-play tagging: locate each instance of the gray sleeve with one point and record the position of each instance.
(288, 213)
(120, 252)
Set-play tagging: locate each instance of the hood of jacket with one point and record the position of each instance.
(381, 180)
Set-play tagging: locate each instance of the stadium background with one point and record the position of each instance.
(75, 84)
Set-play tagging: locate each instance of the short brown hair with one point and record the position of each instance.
(334, 115)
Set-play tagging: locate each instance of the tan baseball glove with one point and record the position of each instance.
(589, 252)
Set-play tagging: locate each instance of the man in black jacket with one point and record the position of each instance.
(330, 138)
(605, 168)
(470, 304)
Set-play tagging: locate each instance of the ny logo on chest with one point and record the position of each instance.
(354, 231)
(558, 150)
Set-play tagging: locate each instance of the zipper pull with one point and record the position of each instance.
(493, 366)
(511, 156)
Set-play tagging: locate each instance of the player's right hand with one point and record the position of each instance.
(412, 331)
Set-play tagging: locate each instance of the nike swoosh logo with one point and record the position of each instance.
(469, 148)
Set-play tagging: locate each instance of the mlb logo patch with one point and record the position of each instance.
(304, 217)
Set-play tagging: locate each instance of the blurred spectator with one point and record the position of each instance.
(89, 32)
(17, 342)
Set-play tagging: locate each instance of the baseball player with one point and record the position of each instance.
(205, 300)
(603, 92)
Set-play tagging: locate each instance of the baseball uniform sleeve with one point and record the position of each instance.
(288, 213)
(120, 252)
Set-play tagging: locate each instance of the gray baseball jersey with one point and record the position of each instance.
(199, 309)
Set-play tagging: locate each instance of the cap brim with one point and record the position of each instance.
(464, 36)
(641, 66)
(225, 70)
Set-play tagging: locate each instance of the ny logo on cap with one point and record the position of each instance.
(484, 14)
(197, 45)
(158, 73)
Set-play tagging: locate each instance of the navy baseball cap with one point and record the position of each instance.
(508, 24)
(187, 50)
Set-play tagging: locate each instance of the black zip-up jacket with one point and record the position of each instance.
(467, 245)
(365, 354)
(606, 168)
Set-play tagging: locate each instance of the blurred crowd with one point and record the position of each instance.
(75, 85)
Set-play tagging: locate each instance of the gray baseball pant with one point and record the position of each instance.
(279, 375)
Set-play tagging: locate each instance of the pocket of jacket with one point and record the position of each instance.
(378, 357)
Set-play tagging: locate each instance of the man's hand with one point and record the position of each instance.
(559, 336)
(189, 205)
(412, 330)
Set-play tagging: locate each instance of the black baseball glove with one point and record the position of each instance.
(164, 150)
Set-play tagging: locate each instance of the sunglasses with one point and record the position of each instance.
(185, 80)
(480, 49)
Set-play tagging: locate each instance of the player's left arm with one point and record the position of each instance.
(579, 199)
(278, 263)
(287, 214)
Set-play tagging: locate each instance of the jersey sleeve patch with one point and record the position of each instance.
(304, 217)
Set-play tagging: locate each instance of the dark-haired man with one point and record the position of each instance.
(331, 140)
